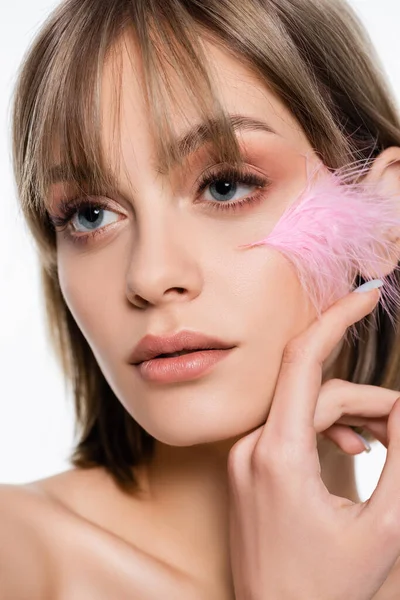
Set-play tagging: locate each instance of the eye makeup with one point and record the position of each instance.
(227, 175)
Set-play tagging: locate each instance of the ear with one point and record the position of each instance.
(385, 172)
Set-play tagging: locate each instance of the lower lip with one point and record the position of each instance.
(181, 368)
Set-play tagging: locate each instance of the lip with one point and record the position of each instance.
(181, 368)
(151, 346)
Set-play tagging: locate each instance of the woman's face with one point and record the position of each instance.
(165, 260)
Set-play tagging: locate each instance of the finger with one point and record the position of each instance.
(378, 428)
(293, 408)
(346, 439)
(339, 399)
(384, 504)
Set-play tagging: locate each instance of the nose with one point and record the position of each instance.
(163, 267)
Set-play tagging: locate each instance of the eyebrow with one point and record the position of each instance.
(187, 144)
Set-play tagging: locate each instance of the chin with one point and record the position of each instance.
(193, 432)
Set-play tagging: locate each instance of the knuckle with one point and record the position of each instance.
(334, 384)
(260, 458)
(237, 460)
(274, 460)
(334, 390)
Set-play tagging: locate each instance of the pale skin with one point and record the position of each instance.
(175, 539)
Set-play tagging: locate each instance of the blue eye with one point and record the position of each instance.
(222, 182)
(87, 208)
(93, 214)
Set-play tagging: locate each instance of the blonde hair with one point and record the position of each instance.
(314, 54)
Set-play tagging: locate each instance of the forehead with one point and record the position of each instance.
(237, 87)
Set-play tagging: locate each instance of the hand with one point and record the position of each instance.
(290, 539)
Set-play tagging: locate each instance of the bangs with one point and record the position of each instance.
(66, 129)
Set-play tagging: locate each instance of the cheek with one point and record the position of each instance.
(89, 300)
(265, 298)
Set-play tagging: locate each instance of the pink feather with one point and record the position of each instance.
(335, 229)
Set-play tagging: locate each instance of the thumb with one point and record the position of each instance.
(384, 503)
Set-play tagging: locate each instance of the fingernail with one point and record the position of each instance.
(369, 285)
(367, 445)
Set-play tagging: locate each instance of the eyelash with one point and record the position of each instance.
(70, 208)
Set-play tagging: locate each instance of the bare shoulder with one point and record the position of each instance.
(24, 556)
(73, 535)
(33, 518)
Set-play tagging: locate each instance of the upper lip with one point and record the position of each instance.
(150, 345)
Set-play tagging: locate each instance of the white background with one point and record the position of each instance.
(36, 417)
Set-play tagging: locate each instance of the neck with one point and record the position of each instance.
(187, 489)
